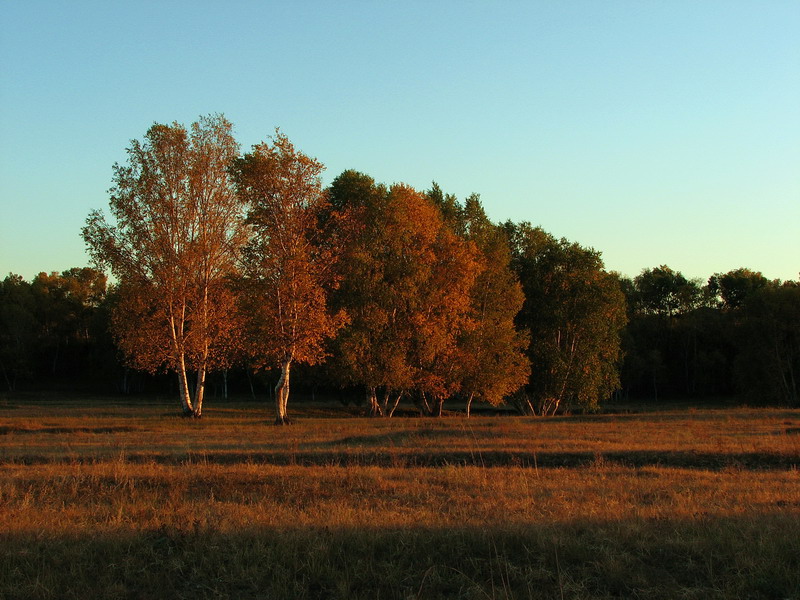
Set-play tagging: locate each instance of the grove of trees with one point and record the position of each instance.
(241, 266)
(738, 333)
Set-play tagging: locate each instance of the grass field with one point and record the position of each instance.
(126, 500)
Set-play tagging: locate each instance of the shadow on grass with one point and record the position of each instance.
(750, 557)
(62, 430)
(414, 458)
(390, 438)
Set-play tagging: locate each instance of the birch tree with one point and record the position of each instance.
(406, 286)
(492, 363)
(575, 312)
(172, 243)
(288, 263)
(372, 350)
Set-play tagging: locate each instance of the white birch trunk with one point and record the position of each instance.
(385, 402)
(282, 393)
(199, 392)
(183, 385)
(439, 406)
(374, 406)
(394, 406)
(426, 408)
(183, 381)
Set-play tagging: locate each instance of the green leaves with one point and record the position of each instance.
(575, 312)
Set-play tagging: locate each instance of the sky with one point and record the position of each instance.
(656, 132)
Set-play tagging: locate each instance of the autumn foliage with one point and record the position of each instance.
(226, 261)
(173, 246)
(288, 268)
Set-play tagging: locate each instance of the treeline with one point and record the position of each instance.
(233, 266)
(739, 333)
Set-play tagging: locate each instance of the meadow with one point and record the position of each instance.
(124, 499)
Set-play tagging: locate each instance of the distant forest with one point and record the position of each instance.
(234, 274)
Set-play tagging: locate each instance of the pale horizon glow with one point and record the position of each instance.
(654, 132)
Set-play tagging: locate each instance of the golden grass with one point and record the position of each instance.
(67, 431)
(127, 501)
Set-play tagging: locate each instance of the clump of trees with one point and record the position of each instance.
(222, 258)
(575, 312)
(737, 333)
(54, 327)
(223, 261)
(430, 296)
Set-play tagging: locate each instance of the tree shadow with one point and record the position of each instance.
(751, 556)
(389, 456)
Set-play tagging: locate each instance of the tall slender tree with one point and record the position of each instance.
(173, 242)
(289, 261)
(492, 363)
(444, 306)
(372, 350)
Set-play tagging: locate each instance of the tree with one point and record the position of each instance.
(677, 341)
(768, 363)
(18, 330)
(406, 286)
(734, 287)
(65, 304)
(444, 311)
(665, 292)
(575, 312)
(450, 209)
(173, 246)
(288, 263)
(50, 326)
(373, 349)
(491, 362)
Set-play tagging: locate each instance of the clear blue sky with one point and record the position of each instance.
(656, 132)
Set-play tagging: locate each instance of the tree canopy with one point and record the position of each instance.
(575, 312)
(288, 264)
(222, 261)
(172, 245)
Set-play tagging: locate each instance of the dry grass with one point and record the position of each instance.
(127, 501)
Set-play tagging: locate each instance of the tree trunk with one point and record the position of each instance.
(426, 408)
(282, 393)
(655, 387)
(55, 358)
(178, 349)
(530, 405)
(5, 376)
(183, 389)
(555, 405)
(439, 405)
(225, 384)
(385, 403)
(125, 381)
(250, 382)
(200, 392)
(469, 403)
(374, 406)
(394, 406)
